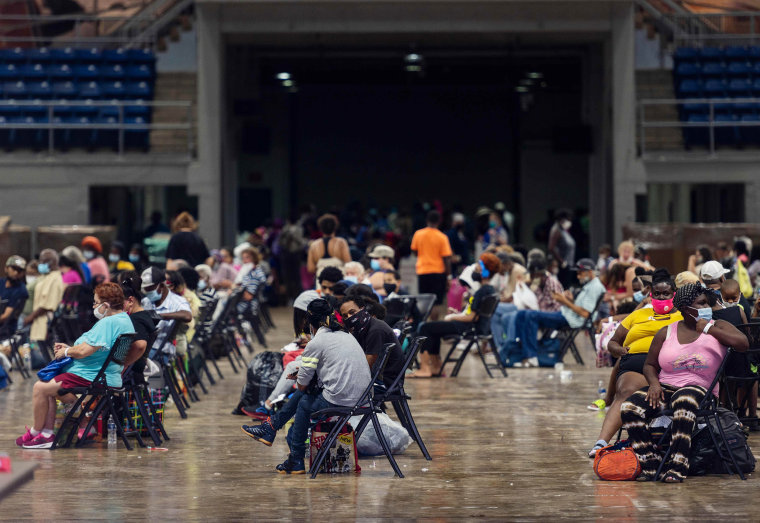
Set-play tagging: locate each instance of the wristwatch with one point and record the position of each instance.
(708, 326)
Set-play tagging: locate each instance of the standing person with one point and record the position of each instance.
(433, 260)
(329, 250)
(562, 245)
(185, 243)
(73, 253)
(290, 244)
(93, 253)
(48, 292)
(459, 244)
(13, 286)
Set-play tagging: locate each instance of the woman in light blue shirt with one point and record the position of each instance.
(89, 352)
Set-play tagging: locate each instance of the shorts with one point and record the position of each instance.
(70, 381)
(632, 363)
(432, 284)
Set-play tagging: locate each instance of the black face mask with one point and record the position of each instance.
(476, 276)
(389, 288)
(359, 322)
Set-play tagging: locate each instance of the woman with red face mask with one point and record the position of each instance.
(631, 344)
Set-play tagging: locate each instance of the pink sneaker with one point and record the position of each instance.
(26, 438)
(40, 442)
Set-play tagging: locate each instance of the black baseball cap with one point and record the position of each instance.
(584, 264)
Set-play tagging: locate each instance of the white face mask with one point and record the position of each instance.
(565, 224)
(88, 254)
(31, 279)
(100, 315)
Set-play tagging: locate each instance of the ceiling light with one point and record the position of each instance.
(283, 76)
(521, 89)
(526, 81)
(535, 75)
(413, 58)
(288, 83)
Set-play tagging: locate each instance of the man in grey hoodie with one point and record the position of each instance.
(335, 362)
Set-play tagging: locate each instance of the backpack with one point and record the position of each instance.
(617, 462)
(548, 351)
(737, 443)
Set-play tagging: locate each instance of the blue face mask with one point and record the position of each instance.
(703, 314)
(153, 295)
(638, 296)
(43, 268)
(375, 265)
(134, 258)
(113, 258)
(201, 285)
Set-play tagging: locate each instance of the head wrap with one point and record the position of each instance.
(686, 295)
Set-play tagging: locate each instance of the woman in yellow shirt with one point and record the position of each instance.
(631, 344)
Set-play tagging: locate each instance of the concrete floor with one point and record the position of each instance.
(502, 449)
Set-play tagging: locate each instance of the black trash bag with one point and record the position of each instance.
(263, 373)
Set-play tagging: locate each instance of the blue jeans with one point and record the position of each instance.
(528, 323)
(282, 416)
(297, 435)
(500, 328)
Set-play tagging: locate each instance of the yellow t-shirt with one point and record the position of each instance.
(642, 325)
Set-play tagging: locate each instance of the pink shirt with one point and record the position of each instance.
(693, 364)
(98, 266)
(71, 277)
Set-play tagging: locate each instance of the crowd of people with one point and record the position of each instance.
(664, 335)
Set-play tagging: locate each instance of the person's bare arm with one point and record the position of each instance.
(567, 302)
(77, 351)
(371, 359)
(35, 314)
(615, 345)
(183, 316)
(311, 259)
(344, 253)
(553, 240)
(726, 334)
(652, 368)
(465, 317)
(136, 350)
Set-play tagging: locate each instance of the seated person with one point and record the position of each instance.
(676, 383)
(392, 285)
(205, 291)
(505, 282)
(713, 275)
(252, 283)
(457, 323)
(328, 277)
(573, 313)
(353, 271)
(13, 286)
(372, 334)
(334, 359)
(169, 306)
(89, 352)
(144, 322)
(631, 343)
(381, 260)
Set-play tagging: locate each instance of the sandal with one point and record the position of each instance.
(671, 477)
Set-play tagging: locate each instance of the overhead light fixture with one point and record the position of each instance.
(526, 81)
(413, 58)
(283, 76)
(414, 63)
(535, 75)
(288, 83)
(521, 89)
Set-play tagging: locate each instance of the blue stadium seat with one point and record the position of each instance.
(689, 89)
(80, 134)
(714, 88)
(90, 110)
(16, 90)
(62, 109)
(713, 69)
(12, 56)
(736, 52)
(90, 90)
(756, 87)
(33, 138)
(750, 135)
(9, 72)
(88, 56)
(36, 109)
(38, 55)
(59, 72)
(85, 72)
(65, 90)
(112, 72)
(740, 87)
(696, 135)
(726, 135)
(63, 55)
(135, 90)
(32, 72)
(686, 53)
(141, 56)
(107, 137)
(684, 69)
(115, 56)
(711, 54)
(114, 90)
(739, 69)
(110, 111)
(138, 109)
(139, 72)
(40, 90)
(136, 137)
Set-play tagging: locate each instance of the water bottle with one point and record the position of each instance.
(28, 358)
(601, 390)
(111, 431)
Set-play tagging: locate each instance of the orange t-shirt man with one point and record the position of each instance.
(433, 258)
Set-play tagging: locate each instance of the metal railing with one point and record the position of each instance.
(54, 123)
(728, 28)
(676, 123)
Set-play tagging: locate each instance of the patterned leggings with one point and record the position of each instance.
(637, 413)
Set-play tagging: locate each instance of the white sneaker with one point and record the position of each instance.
(526, 363)
(532, 362)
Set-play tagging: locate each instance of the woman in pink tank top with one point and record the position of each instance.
(682, 362)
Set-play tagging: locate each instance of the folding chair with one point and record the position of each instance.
(477, 339)
(396, 395)
(165, 361)
(366, 406)
(707, 411)
(99, 390)
(203, 336)
(752, 331)
(568, 335)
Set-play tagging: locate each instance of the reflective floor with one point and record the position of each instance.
(502, 449)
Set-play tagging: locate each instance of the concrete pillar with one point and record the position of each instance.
(623, 80)
(205, 176)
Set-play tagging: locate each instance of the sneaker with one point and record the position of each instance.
(598, 405)
(261, 413)
(40, 442)
(527, 363)
(264, 433)
(598, 446)
(291, 466)
(26, 438)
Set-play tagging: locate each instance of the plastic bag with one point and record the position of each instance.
(524, 298)
(263, 373)
(397, 436)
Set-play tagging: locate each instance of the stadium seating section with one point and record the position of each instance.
(87, 87)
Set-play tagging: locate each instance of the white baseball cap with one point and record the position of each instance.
(712, 270)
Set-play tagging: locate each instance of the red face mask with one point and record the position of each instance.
(662, 306)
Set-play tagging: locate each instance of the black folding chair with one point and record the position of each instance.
(365, 406)
(729, 383)
(476, 339)
(202, 338)
(708, 412)
(98, 390)
(396, 395)
(568, 335)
